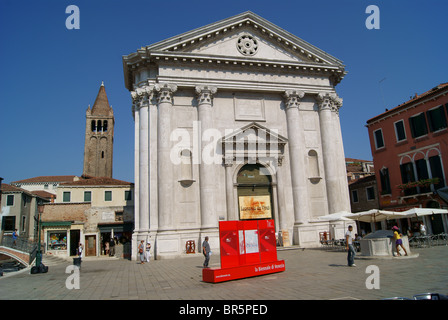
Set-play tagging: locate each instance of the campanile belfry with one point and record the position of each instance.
(98, 147)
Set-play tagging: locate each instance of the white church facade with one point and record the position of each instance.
(235, 120)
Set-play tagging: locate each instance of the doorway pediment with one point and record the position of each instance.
(253, 142)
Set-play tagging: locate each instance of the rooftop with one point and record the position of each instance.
(415, 100)
(99, 181)
(43, 179)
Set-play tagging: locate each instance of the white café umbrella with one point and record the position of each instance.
(376, 215)
(417, 212)
(338, 216)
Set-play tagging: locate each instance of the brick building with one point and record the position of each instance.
(91, 211)
(410, 154)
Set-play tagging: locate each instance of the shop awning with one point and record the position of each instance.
(117, 227)
(56, 223)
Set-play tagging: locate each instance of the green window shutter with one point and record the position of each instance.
(66, 196)
(87, 196)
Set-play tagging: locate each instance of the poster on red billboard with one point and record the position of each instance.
(248, 248)
(255, 207)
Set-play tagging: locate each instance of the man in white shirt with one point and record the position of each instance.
(422, 229)
(349, 236)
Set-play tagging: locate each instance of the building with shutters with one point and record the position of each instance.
(410, 154)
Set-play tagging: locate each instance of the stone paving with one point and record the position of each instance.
(310, 274)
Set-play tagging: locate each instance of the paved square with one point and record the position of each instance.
(310, 275)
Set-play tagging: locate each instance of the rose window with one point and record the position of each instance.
(247, 45)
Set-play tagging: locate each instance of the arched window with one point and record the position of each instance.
(99, 126)
(105, 126)
(93, 126)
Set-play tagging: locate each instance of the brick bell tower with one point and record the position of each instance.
(98, 147)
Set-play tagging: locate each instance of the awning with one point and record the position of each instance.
(117, 227)
(56, 223)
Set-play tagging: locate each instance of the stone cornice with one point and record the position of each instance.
(136, 62)
(247, 85)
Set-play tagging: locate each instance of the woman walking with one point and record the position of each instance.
(398, 241)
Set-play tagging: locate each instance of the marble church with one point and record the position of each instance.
(236, 120)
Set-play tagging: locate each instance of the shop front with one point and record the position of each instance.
(115, 239)
(61, 237)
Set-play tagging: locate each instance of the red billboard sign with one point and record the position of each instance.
(248, 248)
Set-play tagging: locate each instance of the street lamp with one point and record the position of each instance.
(40, 209)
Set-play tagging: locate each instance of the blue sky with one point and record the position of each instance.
(49, 74)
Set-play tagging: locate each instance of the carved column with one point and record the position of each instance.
(141, 98)
(206, 170)
(297, 154)
(344, 198)
(165, 171)
(333, 153)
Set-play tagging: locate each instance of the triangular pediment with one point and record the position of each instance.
(246, 43)
(254, 133)
(245, 36)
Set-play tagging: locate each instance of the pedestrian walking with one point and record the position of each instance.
(111, 247)
(15, 235)
(349, 246)
(141, 251)
(206, 252)
(80, 250)
(422, 229)
(148, 251)
(398, 241)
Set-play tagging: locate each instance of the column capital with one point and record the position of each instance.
(293, 97)
(329, 101)
(165, 92)
(141, 97)
(205, 94)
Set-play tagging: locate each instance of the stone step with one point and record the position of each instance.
(52, 260)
